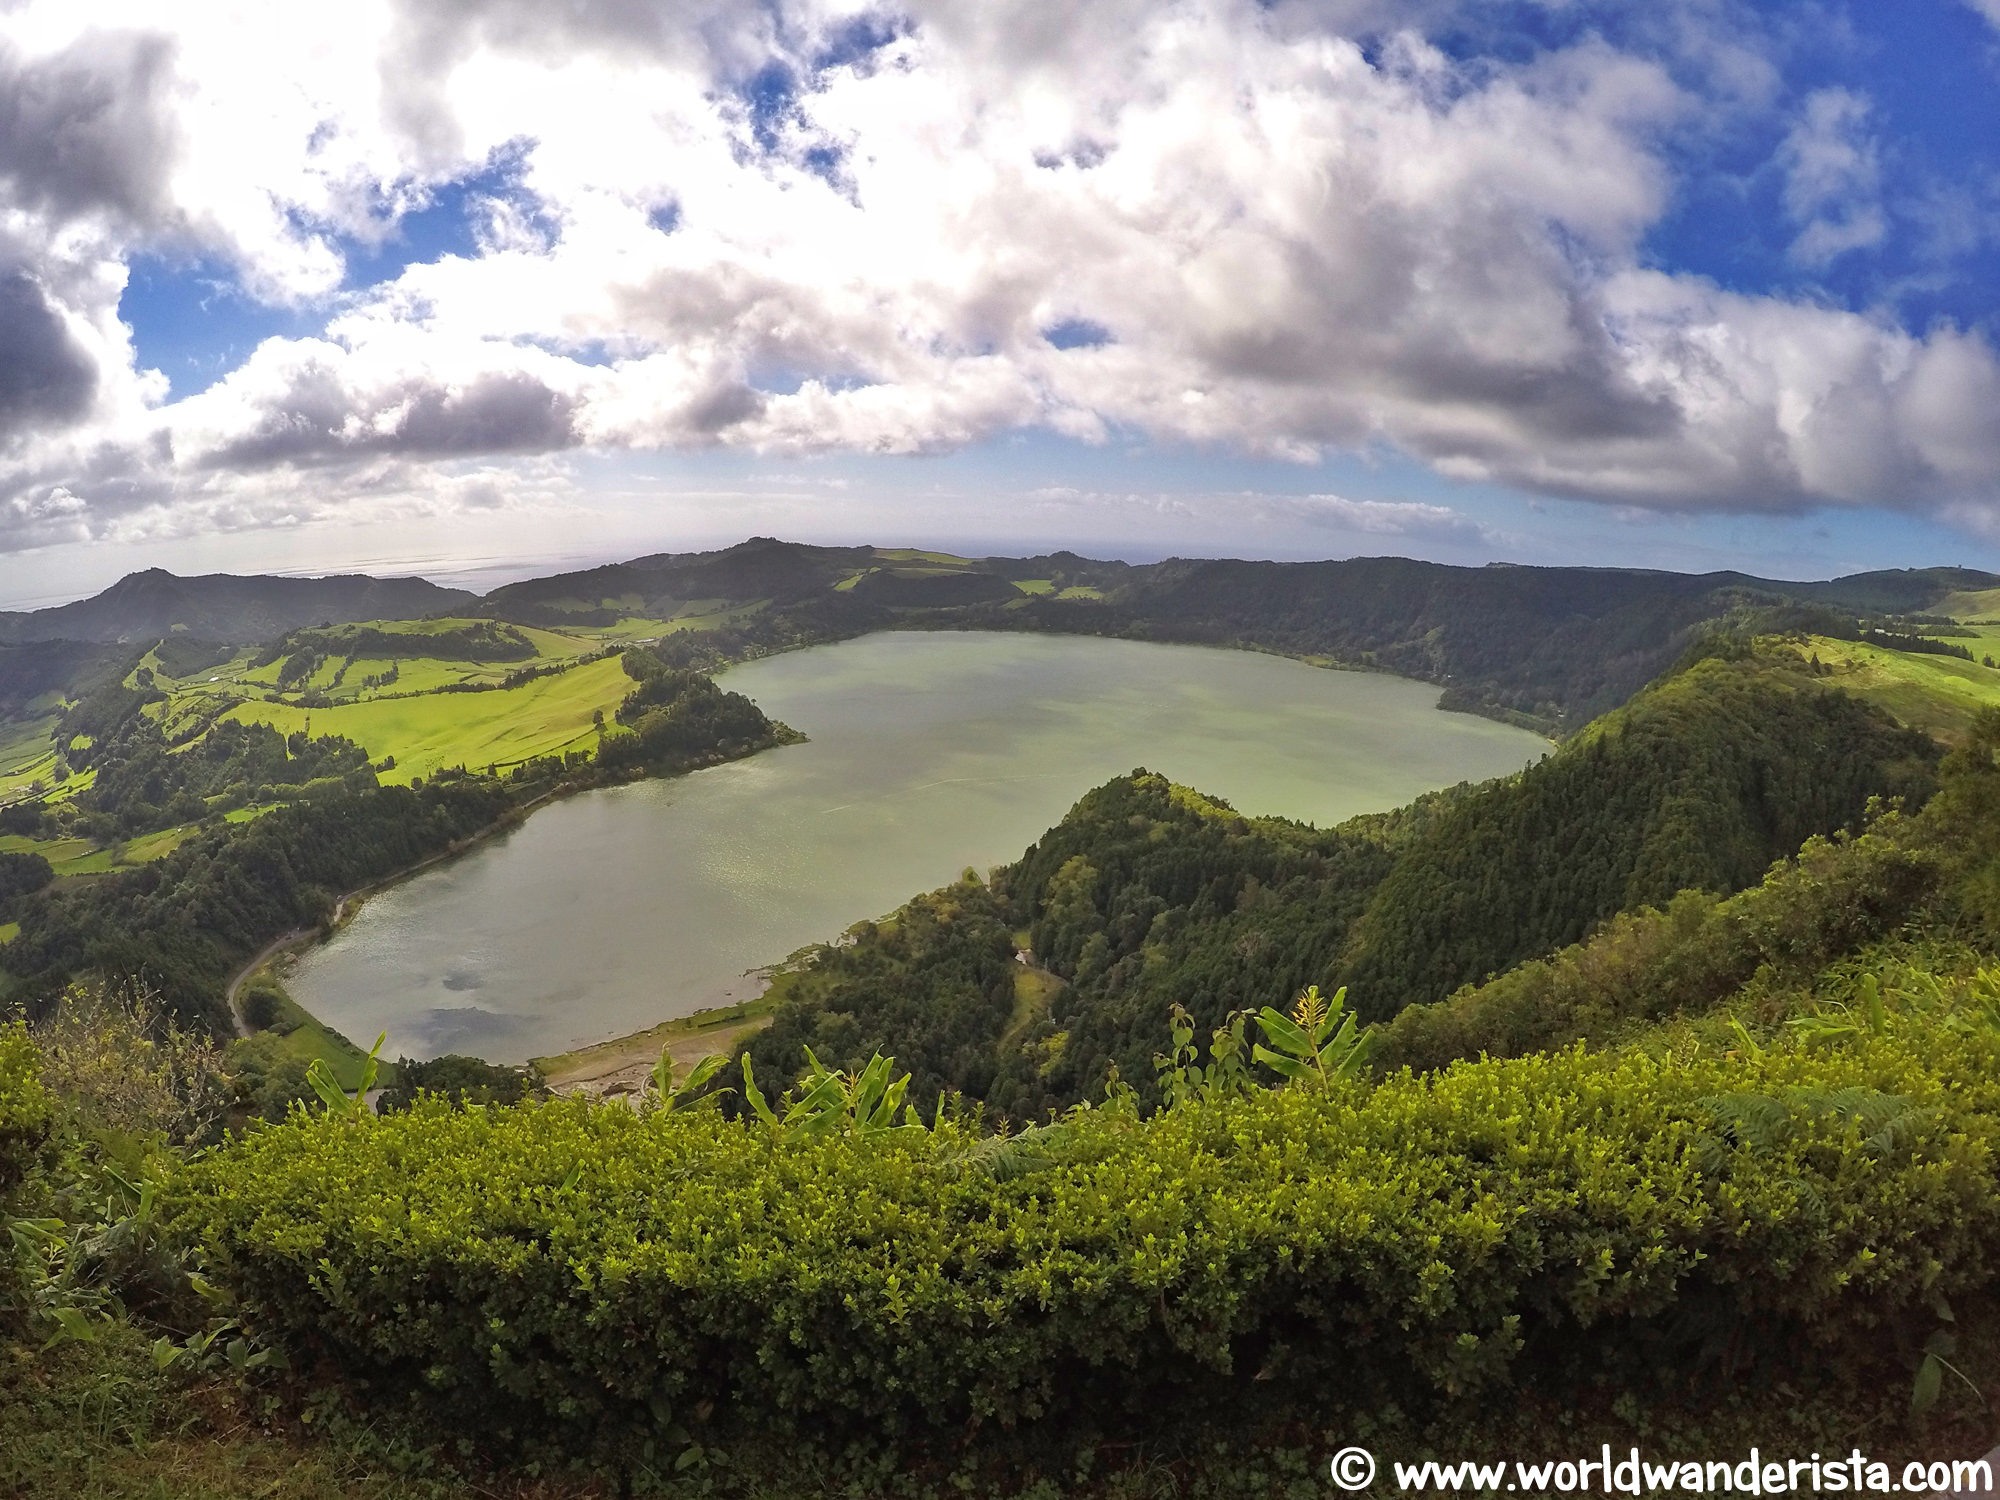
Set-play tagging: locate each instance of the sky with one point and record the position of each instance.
(480, 289)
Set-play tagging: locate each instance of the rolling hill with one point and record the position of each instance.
(227, 607)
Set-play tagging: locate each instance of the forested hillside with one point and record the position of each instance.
(1698, 784)
(1149, 896)
(1548, 647)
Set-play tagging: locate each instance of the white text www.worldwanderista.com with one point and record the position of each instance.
(1754, 1475)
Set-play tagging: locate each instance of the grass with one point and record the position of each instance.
(97, 1422)
(543, 717)
(1081, 591)
(1035, 585)
(1033, 989)
(913, 554)
(24, 743)
(1937, 694)
(631, 628)
(81, 857)
(304, 1035)
(1980, 604)
(8, 932)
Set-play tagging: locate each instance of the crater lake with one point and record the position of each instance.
(928, 752)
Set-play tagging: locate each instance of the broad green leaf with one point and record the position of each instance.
(1930, 1380)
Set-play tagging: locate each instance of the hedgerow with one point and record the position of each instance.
(591, 1277)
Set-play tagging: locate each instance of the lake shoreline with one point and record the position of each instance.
(1379, 747)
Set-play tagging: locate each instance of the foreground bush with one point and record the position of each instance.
(25, 1109)
(596, 1278)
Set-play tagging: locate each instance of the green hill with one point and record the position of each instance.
(227, 607)
(1149, 896)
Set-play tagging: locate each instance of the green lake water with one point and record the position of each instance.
(610, 911)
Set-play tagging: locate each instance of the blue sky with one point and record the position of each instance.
(1690, 285)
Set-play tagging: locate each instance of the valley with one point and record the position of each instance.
(974, 978)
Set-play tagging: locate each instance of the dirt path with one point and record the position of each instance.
(264, 955)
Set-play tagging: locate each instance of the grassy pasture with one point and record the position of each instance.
(915, 555)
(307, 1038)
(503, 727)
(79, 856)
(1937, 694)
(1981, 604)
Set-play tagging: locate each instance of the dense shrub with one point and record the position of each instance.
(23, 875)
(1646, 965)
(182, 924)
(589, 1274)
(26, 1111)
(458, 1080)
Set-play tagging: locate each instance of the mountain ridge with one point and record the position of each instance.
(234, 607)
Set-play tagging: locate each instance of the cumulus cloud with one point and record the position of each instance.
(829, 225)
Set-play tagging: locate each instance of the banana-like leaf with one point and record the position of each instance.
(1286, 1033)
(1871, 1000)
(756, 1095)
(827, 1096)
(704, 1070)
(320, 1076)
(1297, 1071)
(892, 1100)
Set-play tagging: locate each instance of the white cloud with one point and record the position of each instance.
(826, 227)
(1832, 178)
(1407, 518)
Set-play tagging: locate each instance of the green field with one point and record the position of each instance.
(503, 727)
(411, 718)
(1985, 604)
(1937, 694)
(81, 857)
(914, 555)
(306, 1038)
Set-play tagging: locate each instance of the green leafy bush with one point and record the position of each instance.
(589, 1275)
(26, 1111)
(1645, 965)
(462, 1080)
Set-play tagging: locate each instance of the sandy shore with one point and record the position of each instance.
(622, 1064)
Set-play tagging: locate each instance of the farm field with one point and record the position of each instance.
(548, 716)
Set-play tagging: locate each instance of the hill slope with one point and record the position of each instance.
(1149, 896)
(228, 606)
